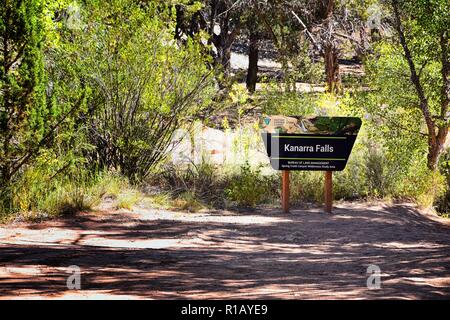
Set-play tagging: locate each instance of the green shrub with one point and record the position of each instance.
(145, 85)
(306, 186)
(249, 187)
(442, 203)
(272, 101)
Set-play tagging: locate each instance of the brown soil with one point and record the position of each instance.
(157, 254)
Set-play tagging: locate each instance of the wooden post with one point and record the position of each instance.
(285, 190)
(328, 191)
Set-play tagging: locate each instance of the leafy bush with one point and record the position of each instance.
(306, 186)
(196, 186)
(143, 84)
(249, 188)
(273, 101)
(393, 147)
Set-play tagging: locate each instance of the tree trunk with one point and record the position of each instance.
(253, 55)
(433, 157)
(225, 59)
(224, 41)
(330, 53)
(436, 147)
(332, 68)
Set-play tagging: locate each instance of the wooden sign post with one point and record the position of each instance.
(309, 143)
(328, 191)
(285, 190)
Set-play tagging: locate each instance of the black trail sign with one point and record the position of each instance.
(317, 143)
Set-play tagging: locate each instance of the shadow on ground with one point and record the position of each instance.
(263, 254)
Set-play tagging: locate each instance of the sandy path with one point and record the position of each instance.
(263, 254)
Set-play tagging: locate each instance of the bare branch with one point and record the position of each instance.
(309, 34)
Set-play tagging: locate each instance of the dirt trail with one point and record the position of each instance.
(263, 254)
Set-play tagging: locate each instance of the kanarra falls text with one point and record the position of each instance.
(317, 148)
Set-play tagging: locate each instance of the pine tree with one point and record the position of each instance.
(22, 87)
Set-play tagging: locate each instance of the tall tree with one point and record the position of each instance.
(255, 33)
(31, 116)
(330, 49)
(422, 28)
(275, 17)
(328, 24)
(22, 85)
(225, 15)
(253, 57)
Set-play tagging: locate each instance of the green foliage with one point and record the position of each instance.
(197, 186)
(111, 185)
(369, 174)
(145, 83)
(23, 111)
(274, 101)
(161, 200)
(394, 124)
(304, 69)
(443, 202)
(249, 188)
(393, 102)
(91, 85)
(36, 118)
(407, 74)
